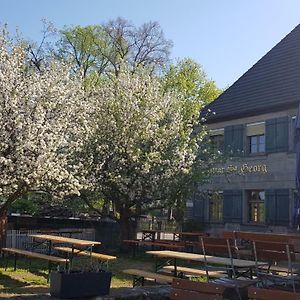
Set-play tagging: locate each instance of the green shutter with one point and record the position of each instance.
(238, 139)
(277, 207)
(234, 139)
(199, 200)
(228, 139)
(277, 135)
(282, 133)
(270, 207)
(271, 135)
(282, 207)
(232, 206)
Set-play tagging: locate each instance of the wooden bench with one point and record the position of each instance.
(99, 256)
(18, 252)
(167, 246)
(186, 289)
(271, 294)
(102, 258)
(194, 272)
(261, 236)
(139, 277)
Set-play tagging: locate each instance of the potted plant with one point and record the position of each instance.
(79, 284)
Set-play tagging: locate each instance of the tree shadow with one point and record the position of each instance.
(38, 272)
(32, 290)
(9, 282)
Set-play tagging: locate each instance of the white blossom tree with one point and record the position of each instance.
(43, 124)
(147, 151)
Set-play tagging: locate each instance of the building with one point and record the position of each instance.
(253, 125)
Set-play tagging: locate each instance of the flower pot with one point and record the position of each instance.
(79, 284)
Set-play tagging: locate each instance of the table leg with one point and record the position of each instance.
(71, 258)
(49, 247)
(175, 267)
(91, 257)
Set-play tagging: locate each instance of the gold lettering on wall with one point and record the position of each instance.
(240, 170)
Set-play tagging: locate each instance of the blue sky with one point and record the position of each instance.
(226, 36)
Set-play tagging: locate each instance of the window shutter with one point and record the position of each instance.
(277, 135)
(271, 136)
(234, 139)
(270, 207)
(199, 200)
(282, 207)
(228, 139)
(277, 207)
(282, 133)
(238, 139)
(232, 206)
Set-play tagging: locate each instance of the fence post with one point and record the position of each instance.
(13, 238)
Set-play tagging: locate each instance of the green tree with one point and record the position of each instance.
(103, 49)
(189, 78)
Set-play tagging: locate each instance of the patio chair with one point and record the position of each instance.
(275, 253)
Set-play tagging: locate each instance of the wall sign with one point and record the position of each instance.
(240, 170)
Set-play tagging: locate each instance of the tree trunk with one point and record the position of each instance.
(3, 214)
(3, 230)
(128, 224)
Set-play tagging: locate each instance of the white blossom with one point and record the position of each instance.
(41, 124)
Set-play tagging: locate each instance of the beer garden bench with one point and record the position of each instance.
(271, 294)
(103, 258)
(49, 258)
(139, 277)
(186, 289)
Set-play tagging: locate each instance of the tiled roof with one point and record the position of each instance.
(273, 83)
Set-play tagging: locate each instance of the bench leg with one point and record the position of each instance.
(138, 281)
(15, 262)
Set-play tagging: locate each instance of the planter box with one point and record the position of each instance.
(79, 284)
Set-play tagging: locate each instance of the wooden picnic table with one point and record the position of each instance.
(85, 245)
(61, 239)
(225, 261)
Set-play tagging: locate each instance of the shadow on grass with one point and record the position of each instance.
(27, 290)
(38, 272)
(11, 283)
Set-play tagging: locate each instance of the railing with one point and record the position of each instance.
(21, 238)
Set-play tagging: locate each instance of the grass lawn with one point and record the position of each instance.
(34, 281)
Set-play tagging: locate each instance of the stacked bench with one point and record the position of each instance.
(186, 289)
(270, 294)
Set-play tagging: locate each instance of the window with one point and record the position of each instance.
(217, 142)
(257, 144)
(256, 202)
(216, 206)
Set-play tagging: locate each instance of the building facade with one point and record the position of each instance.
(253, 126)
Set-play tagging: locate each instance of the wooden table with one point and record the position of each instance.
(224, 261)
(85, 245)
